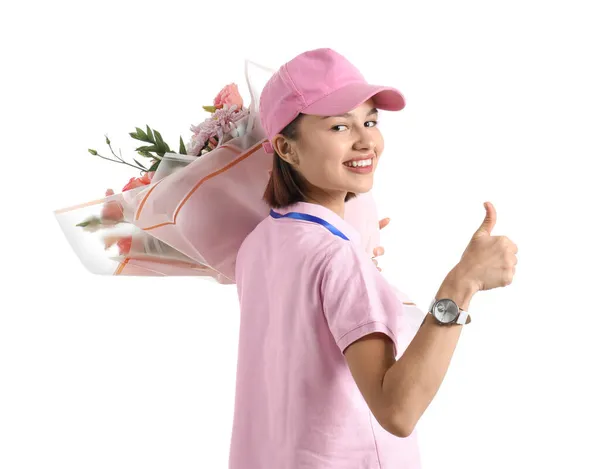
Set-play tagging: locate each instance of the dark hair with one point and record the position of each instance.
(287, 186)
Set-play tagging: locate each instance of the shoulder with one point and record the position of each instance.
(252, 239)
(345, 261)
(341, 251)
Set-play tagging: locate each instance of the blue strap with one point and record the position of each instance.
(311, 218)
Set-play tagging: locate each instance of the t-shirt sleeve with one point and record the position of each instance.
(357, 300)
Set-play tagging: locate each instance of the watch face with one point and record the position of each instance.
(445, 310)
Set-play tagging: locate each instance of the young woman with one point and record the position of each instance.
(319, 382)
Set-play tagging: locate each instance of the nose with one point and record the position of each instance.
(364, 139)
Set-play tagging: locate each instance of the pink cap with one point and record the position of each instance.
(320, 82)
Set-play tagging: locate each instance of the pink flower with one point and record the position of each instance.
(229, 95)
(226, 117)
(138, 182)
(201, 133)
(227, 110)
(112, 210)
(123, 243)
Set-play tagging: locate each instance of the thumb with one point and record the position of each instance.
(489, 221)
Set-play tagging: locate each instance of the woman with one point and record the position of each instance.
(318, 383)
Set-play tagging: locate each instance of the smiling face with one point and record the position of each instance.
(325, 144)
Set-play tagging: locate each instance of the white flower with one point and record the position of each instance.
(239, 130)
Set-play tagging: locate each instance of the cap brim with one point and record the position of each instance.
(350, 96)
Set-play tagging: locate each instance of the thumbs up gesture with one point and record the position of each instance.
(489, 261)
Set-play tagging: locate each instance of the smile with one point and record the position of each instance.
(361, 166)
(359, 163)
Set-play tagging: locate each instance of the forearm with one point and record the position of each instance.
(411, 383)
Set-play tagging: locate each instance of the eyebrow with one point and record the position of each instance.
(347, 114)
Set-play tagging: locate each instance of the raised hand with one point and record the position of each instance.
(489, 261)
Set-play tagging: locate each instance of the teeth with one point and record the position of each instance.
(360, 163)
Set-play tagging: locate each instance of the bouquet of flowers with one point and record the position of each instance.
(189, 211)
(224, 123)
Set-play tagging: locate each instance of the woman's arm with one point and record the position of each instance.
(411, 383)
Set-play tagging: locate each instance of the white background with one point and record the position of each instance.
(502, 106)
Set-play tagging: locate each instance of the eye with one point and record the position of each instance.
(344, 125)
(339, 125)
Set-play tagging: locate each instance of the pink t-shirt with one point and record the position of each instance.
(305, 294)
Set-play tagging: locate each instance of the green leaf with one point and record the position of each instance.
(140, 135)
(160, 144)
(210, 109)
(182, 150)
(158, 137)
(139, 164)
(154, 167)
(147, 154)
(89, 221)
(149, 133)
(147, 148)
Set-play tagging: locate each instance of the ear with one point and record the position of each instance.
(285, 149)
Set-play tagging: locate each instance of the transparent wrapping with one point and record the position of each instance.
(196, 212)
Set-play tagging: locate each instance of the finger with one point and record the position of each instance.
(384, 222)
(488, 222)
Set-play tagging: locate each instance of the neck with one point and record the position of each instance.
(336, 203)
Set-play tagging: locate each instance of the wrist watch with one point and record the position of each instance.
(447, 312)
